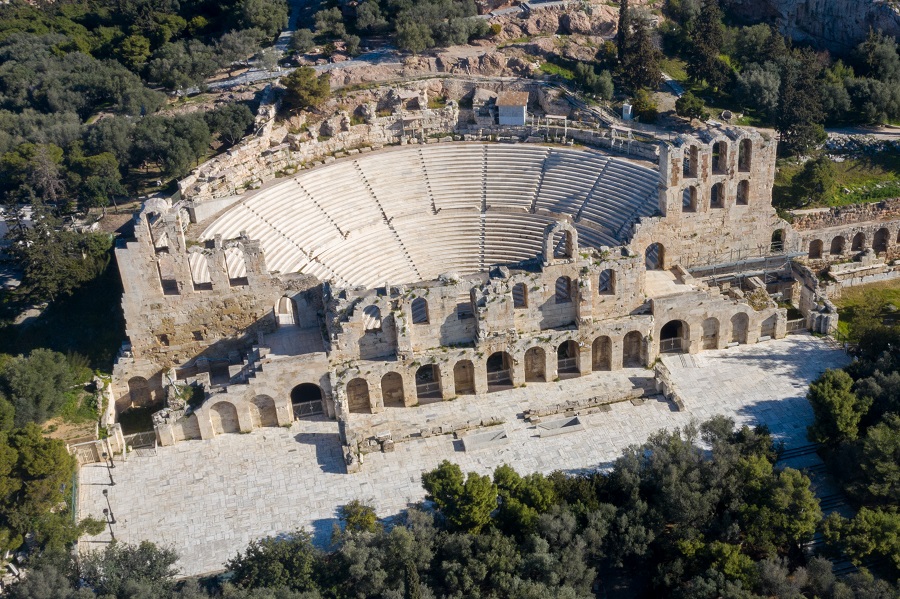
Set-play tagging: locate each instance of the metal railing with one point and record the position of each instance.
(798, 324)
(423, 389)
(308, 408)
(498, 377)
(140, 440)
(567, 364)
(670, 345)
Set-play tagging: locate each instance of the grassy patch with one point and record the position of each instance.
(868, 179)
(858, 304)
(557, 70)
(674, 68)
(80, 408)
(437, 102)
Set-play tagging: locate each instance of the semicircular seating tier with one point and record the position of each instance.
(413, 213)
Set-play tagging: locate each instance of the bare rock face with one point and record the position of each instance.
(576, 23)
(838, 25)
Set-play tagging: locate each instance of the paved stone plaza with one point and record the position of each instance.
(208, 499)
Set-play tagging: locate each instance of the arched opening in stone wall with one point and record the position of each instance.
(720, 158)
(567, 358)
(535, 365)
(717, 196)
(199, 264)
(767, 328)
(710, 337)
(745, 155)
(139, 392)
(881, 240)
(236, 266)
(632, 350)
(777, 244)
(690, 162)
(284, 312)
(689, 199)
(898, 235)
(464, 377)
(815, 249)
(673, 337)
(392, 390)
(655, 256)
(740, 323)
(419, 311)
(562, 244)
(499, 366)
(520, 295)
(428, 382)
(187, 428)
(837, 246)
(859, 242)
(372, 318)
(601, 353)
(606, 284)
(358, 397)
(743, 193)
(263, 411)
(563, 290)
(223, 417)
(306, 400)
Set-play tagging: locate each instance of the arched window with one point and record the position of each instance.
(372, 318)
(717, 196)
(392, 390)
(689, 199)
(837, 246)
(745, 155)
(563, 290)
(420, 311)
(562, 246)
(358, 396)
(815, 249)
(777, 244)
(881, 240)
(236, 265)
(859, 242)
(499, 365)
(606, 285)
(306, 399)
(743, 193)
(520, 295)
(655, 256)
(691, 158)
(720, 158)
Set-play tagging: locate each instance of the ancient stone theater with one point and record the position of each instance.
(416, 273)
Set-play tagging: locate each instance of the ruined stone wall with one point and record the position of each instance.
(843, 216)
(278, 151)
(695, 230)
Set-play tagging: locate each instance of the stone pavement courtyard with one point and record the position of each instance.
(208, 499)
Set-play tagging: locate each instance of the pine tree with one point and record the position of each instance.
(623, 35)
(799, 111)
(640, 65)
(703, 62)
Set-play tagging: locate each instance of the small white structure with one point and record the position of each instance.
(511, 107)
(627, 113)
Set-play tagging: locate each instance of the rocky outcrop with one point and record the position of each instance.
(837, 25)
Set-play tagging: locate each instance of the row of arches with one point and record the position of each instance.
(691, 161)
(499, 371)
(564, 291)
(690, 201)
(881, 242)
